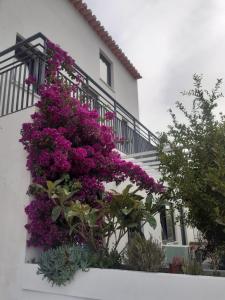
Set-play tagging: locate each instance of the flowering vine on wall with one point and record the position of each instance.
(66, 138)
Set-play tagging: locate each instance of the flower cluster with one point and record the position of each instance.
(66, 137)
(48, 152)
(43, 231)
(109, 115)
(30, 80)
(58, 61)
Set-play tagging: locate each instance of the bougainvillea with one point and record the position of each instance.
(66, 137)
(43, 231)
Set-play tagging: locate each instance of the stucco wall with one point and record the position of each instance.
(14, 181)
(61, 23)
(105, 284)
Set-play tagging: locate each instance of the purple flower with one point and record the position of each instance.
(65, 136)
(30, 80)
(109, 115)
(79, 153)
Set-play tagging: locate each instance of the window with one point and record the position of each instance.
(105, 70)
(167, 223)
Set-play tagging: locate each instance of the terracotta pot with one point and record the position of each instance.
(175, 268)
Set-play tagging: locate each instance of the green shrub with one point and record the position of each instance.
(144, 255)
(192, 267)
(217, 258)
(59, 265)
(105, 259)
(222, 258)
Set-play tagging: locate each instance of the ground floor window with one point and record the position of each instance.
(167, 223)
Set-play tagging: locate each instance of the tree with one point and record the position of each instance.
(193, 167)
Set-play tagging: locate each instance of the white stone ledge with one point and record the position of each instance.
(103, 284)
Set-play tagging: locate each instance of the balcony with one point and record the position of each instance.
(27, 57)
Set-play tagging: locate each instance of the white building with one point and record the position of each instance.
(111, 78)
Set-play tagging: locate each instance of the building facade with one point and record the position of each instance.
(64, 24)
(110, 78)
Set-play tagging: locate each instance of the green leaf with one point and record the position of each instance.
(151, 221)
(39, 186)
(220, 222)
(132, 225)
(92, 219)
(50, 185)
(58, 181)
(148, 201)
(127, 211)
(77, 186)
(72, 213)
(54, 196)
(138, 197)
(127, 189)
(68, 218)
(56, 212)
(72, 228)
(70, 195)
(66, 191)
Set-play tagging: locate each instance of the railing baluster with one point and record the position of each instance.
(4, 93)
(14, 87)
(9, 92)
(28, 86)
(38, 79)
(18, 88)
(23, 86)
(1, 90)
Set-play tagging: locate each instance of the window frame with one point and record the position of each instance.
(109, 65)
(164, 213)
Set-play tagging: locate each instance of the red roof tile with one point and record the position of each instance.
(104, 35)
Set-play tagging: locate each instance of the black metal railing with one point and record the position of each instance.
(27, 57)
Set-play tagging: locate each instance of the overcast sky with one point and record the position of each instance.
(167, 41)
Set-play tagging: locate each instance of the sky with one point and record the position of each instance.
(167, 41)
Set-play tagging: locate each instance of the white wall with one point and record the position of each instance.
(14, 181)
(60, 22)
(105, 284)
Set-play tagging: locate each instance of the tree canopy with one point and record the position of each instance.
(192, 161)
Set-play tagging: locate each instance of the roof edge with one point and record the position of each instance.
(105, 36)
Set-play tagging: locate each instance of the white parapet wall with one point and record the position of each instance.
(14, 181)
(102, 284)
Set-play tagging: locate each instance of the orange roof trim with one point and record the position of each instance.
(104, 35)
